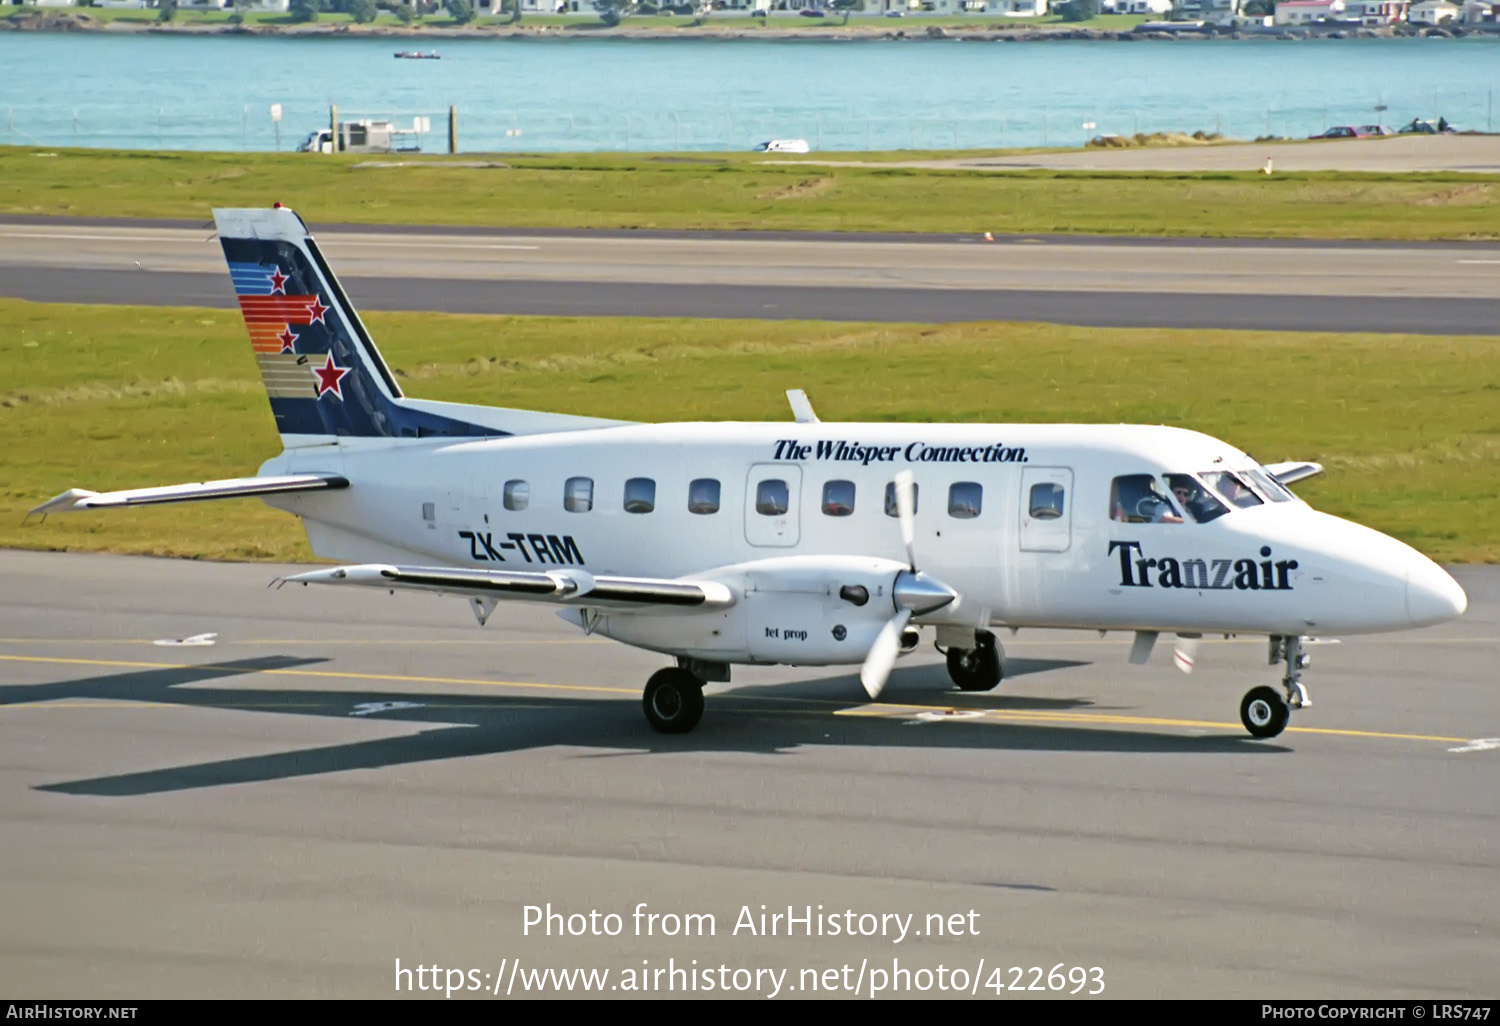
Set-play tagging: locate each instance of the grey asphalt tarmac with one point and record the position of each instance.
(1431, 288)
(1470, 154)
(333, 782)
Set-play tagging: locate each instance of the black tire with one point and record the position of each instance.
(976, 669)
(673, 701)
(1264, 712)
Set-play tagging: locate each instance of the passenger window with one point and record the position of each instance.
(517, 494)
(965, 499)
(1138, 499)
(640, 495)
(771, 498)
(578, 495)
(1046, 501)
(703, 496)
(1193, 499)
(838, 498)
(890, 500)
(1232, 488)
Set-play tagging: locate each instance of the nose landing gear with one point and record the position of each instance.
(1265, 713)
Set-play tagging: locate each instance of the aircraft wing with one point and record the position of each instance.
(568, 586)
(1290, 473)
(75, 499)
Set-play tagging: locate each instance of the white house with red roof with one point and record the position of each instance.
(1376, 12)
(1308, 12)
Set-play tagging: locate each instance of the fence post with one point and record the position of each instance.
(333, 128)
(453, 129)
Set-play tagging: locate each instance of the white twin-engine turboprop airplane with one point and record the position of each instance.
(806, 543)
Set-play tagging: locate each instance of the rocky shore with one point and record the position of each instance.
(858, 28)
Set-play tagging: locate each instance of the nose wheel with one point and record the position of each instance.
(1265, 713)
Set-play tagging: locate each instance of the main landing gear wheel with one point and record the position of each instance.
(1263, 712)
(979, 668)
(673, 700)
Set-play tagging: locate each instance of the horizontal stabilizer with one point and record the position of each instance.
(75, 499)
(1290, 473)
(570, 586)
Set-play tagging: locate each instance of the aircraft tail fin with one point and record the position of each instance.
(325, 379)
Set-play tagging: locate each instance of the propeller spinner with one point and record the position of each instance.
(914, 593)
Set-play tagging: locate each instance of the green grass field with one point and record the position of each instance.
(111, 397)
(742, 191)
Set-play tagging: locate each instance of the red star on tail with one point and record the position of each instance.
(329, 376)
(316, 312)
(286, 338)
(278, 282)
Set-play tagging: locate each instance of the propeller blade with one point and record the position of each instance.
(1185, 655)
(883, 654)
(907, 514)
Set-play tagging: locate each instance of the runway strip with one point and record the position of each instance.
(209, 788)
(1330, 287)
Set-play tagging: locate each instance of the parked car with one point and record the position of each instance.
(783, 146)
(895, 14)
(808, 12)
(1420, 127)
(1374, 130)
(1341, 132)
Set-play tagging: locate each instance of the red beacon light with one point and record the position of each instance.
(276, 206)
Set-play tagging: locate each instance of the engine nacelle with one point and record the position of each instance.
(792, 610)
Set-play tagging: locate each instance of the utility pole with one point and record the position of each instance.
(452, 129)
(333, 128)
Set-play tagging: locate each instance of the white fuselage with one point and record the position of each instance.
(1017, 519)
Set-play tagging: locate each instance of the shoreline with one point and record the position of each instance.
(866, 28)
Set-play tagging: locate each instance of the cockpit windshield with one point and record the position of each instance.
(1195, 498)
(1235, 491)
(1268, 486)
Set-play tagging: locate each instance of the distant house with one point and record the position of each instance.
(1308, 12)
(1209, 10)
(1014, 8)
(1142, 6)
(1481, 12)
(1376, 12)
(1433, 12)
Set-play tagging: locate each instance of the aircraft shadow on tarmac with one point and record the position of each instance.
(456, 726)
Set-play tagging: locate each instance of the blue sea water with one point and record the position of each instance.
(548, 95)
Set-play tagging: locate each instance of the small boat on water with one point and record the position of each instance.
(418, 55)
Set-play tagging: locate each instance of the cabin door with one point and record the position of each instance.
(1046, 509)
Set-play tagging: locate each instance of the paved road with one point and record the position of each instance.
(1474, 154)
(1332, 286)
(340, 781)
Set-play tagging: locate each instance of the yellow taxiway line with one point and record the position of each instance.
(926, 713)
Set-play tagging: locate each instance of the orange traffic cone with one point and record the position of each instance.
(988, 237)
